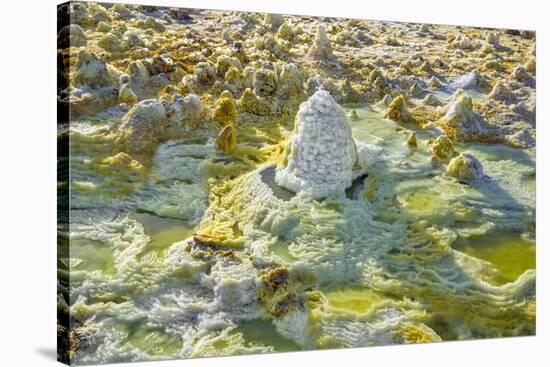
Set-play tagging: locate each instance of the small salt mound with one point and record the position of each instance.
(500, 92)
(465, 167)
(321, 47)
(459, 110)
(320, 157)
(471, 80)
(493, 39)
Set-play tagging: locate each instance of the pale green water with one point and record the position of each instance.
(94, 255)
(510, 253)
(424, 201)
(153, 341)
(263, 332)
(355, 300)
(280, 249)
(163, 232)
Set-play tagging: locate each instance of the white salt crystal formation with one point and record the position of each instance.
(460, 114)
(321, 155)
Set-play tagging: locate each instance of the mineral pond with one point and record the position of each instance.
(249, 183)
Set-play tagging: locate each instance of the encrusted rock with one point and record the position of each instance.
(439, 63)
(264, 82)
(520, 74)
(353, 115)
(321, 47)
(500, 92)
(205, 73)
(103, 27)
(234, 81)
(471, 80)
(127, 95)
(524, 138)
(459, 111)
(151, 23)
(227, 139)
(349, 93)
(224, 63)
(190, 106)
(531, 65)
(397, 110)
(225, 110)
(145, 114)
(321, 155)
(442, 148)
(424, 28)
(138, 73)
(110, 42)
(462, 42)
(153, 121)
(278, 296)
(527, 34)
(290, 81)
(465, 167)
(411, 140)
(132, 39)
(392, 41)
(431, 100)
(273, 21)
(415, 90)
(285, 32)
(426, 67)
(493, 39)
(98, 13)
(251, 103)
(434, 83)
(71, 35)
(93, 71)
(121, 10)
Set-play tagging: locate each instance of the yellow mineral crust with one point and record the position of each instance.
(397, 110)
(278, 296)
(411, 140)
(224, 112)
(227, 139)
(465, 167)
(249, 102)
(442, 148)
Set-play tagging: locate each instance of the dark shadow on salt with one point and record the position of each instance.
(356, 187)
(268, 178)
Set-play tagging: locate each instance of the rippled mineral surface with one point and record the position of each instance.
(250, 183)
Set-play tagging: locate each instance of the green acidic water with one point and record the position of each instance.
(92, 255)
(155, 342)
(424, 201)
(509, 253)
(263, 332)
(356, 300)
(280, 249)
(163, 232)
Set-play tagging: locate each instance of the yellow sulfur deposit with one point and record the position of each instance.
(442, 148)
(227, 139)
(397, 110)
(224, 111)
